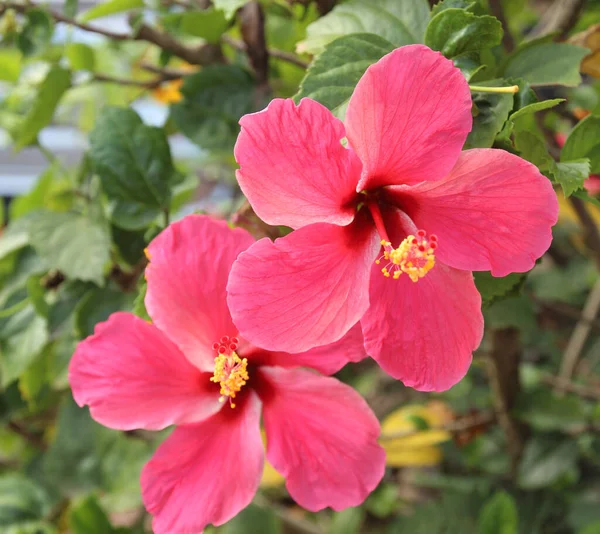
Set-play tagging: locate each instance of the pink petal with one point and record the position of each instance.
(304, 290)
(205, 473)
(422, 333)
(187, 276)
(132, 376)
(328, 359)
(493, 212)
(409, 117)
(293, 167)
(322, 437)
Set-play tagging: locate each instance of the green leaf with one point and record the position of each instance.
(13, 239)
(86, 517)
(96, 306)
(584, 142)
(535, 107)
(72, 243)
(139, 306)
(545, 460)
(229, 6)
(103, 9)
(491, 113)
(332, 77)
(349, 521)
(499, 515)
(455, 31)
(449, 4)
(570, 175)
(590, 529)
(10, 64)
(491, 287)
(533, 148)
(22, 337)
(80, 56)
(73, 460)
(21, 500)
(253, 520)
(70, 9)
(36, 33)
(209, 23)
(131, 215)
(33, 383)
(544, 410)
(133, 160)
(544, 63)
(214, 100)
(36, 293)
(57, 81)
(400, 22)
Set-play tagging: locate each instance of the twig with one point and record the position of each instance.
(561, 16)
(454, 427)
(279, 54)
(167, 73)
(27, 435)
(148, 84)
(580, 334)
(252, 26)
(588, 392)
(201, 55)
(564, 310)
(507, 39)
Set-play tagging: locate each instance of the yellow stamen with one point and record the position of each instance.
(415, 256)
(231, 372)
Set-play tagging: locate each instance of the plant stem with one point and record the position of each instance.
(511, 89)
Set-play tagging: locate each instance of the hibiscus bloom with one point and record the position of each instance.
(191, 368)
(389, 219)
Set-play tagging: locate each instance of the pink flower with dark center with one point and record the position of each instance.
(191, 368)
(390, 219)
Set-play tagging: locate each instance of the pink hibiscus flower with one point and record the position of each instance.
(387, 228)
(191, 368)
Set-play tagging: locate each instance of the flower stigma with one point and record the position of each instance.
(231, 371)
(415, 256)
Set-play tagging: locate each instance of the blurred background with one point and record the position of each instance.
(512, 449)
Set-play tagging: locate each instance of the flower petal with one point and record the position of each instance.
(304, 290)
(322, 437)
(493, 212)
(132, 376)
(408, 117)
(293, 167)
(423, 333)
(327, 360)
(187, 276)
(205, 473)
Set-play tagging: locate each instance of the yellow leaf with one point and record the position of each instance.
(405, 444)
(168, 92)
(589, 38)
(270, 477)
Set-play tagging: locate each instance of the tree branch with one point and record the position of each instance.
(561, 16)
(587, 392)
(279, 54)
(498, 12)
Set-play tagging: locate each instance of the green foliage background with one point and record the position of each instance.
(525, 458)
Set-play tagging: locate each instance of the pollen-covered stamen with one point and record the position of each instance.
(415, 256)
(230, 370)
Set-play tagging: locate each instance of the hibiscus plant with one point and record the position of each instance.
(300, 266)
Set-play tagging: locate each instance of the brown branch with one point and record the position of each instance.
(560, 16)
(503, 370)
(580, 334)
(167, 73)
(149, 84)
(587, 392)
(507, 39)
(591, 232)
(252, 26)
(279, 54)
